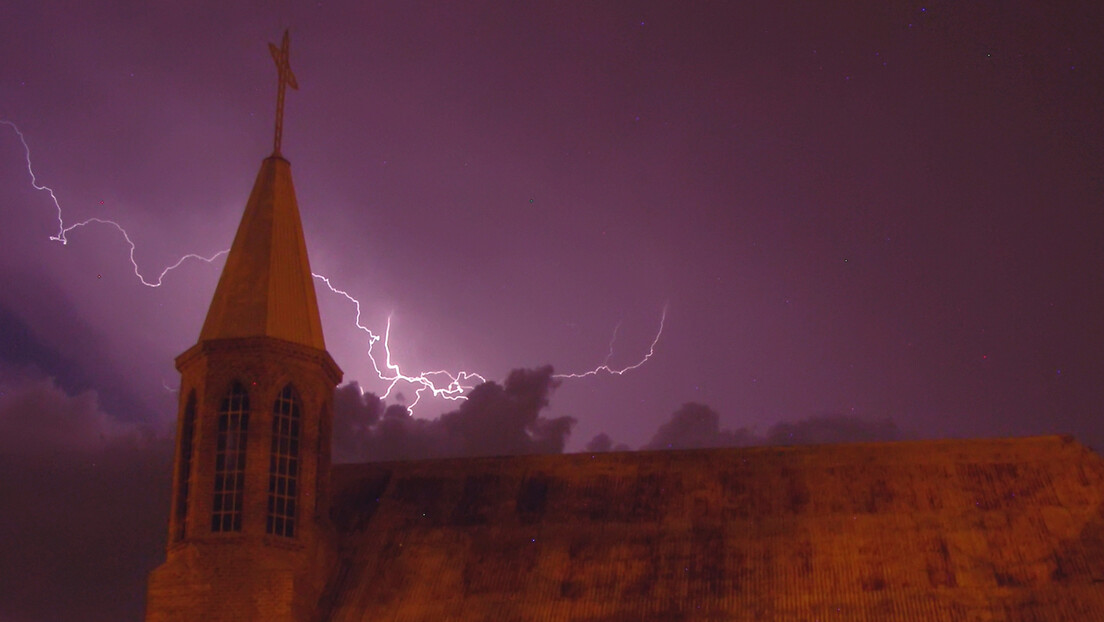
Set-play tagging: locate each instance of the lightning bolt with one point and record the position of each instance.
(439, 383)
(63, 230)
(452, 390)
(605, 368)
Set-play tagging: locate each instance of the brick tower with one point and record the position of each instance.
(248, 533)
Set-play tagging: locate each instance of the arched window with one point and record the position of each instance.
(184, 475)
(233, 428)
(283, 470)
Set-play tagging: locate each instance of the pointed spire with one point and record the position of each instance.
(266, 288)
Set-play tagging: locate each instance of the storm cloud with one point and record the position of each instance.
(697, 426)
(495, 419)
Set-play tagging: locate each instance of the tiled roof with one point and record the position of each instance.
(1008, 529)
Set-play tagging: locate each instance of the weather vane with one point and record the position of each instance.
(286, 79)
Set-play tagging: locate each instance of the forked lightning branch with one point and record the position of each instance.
(439, 383)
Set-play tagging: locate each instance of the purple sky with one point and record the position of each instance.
(886, 210)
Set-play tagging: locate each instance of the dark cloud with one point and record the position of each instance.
(496, 419)
(36, 416)
(355, 414)
(26, 344)
(602, 443)
(505, 420)
(19, 345)
(85, 497)
(695, 426)
(832, 429)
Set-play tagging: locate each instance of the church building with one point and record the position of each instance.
(264, 528)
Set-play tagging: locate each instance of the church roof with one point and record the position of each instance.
(1007, 529)
(266, 288)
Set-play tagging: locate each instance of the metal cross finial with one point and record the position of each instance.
(280, 55)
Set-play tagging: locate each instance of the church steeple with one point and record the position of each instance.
(266, 288)
(249, 520)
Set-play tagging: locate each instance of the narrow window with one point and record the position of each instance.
(233, 427)
(283, 469)
(184, 476)
(322, 463)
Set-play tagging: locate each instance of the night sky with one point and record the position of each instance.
(882, 215)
